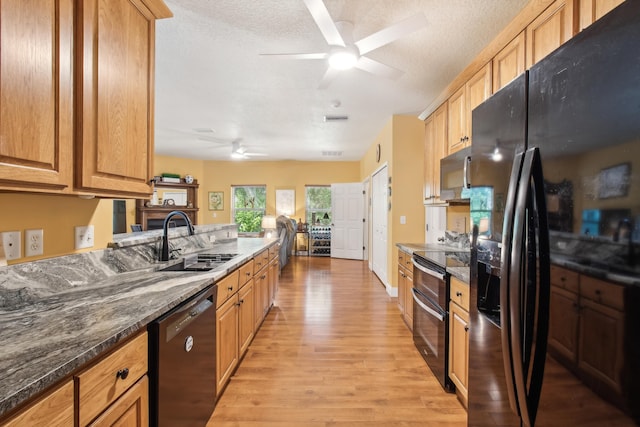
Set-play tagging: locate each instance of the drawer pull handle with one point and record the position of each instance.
(230, 288)
(123, 373)
(458, 294)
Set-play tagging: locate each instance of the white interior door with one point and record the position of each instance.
(379, 201)
(347, 225)
(436, 224)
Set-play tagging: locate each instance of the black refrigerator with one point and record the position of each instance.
(554, 337)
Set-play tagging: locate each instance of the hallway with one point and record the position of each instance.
(334, 351)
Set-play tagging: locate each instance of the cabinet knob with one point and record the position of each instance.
(230, 288)
(466, 329)
(123, 373)
(458, 294)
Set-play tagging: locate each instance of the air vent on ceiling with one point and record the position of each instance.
(332, 153)
(335, 118)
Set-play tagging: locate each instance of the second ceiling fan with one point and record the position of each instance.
(344, 53)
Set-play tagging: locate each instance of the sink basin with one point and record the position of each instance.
(200, 262)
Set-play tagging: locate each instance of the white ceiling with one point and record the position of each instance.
(213, 87)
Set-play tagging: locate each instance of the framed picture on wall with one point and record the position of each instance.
(614, 181)
(285, 202)
(216, 200)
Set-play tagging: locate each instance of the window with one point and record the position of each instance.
(249, 203)
(481, 207)
(318, 205)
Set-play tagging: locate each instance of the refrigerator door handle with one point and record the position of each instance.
(530, 214)
(505, 315)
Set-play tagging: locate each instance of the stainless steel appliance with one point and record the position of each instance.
(556, 144)
(454, 176)
(431, 308)
(182, 357)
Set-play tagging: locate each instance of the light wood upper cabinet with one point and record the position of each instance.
(115, 67)
(509, 63)
(551, 29)
(592, 10)
(461, 103)
(435, 148)
(36, 95)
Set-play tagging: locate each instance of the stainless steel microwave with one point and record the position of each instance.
(454, 176)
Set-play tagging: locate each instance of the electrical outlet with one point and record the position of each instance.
(84, 237)
(11, 244)
(33, 242)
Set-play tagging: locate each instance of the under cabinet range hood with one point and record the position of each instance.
(454, 177)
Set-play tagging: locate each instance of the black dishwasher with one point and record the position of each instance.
(182, 363)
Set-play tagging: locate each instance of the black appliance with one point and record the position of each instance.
(431, 308)
(182, 363)
(556, 144)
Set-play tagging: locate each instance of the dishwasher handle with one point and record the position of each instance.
(188, 314)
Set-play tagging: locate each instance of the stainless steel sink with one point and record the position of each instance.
(200, 262)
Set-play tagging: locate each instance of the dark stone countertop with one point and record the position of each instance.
(461, 273)
(58, 314)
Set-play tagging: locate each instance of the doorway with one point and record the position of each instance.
(347, 224)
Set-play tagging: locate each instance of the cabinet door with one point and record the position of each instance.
(439, 144)
(459, 349)
(55, 409)
(457, 121)
(402, 289)
(131, 410)
(477, 89)
(601, 340)
(548, 31)
(115, 64)
(563, 323)
(429, 146)
(592, 10)
(36, 95)
(246, 322)
(509, 62)
(261, 290)
(226, 341)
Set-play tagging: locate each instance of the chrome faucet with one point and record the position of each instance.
(628, 224)
(164, 254)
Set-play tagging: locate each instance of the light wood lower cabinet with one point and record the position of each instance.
(405, 284)
(587, 326)
(459, 338)
(227, 339)
(130, 410)
(246, 322)
(54, 409)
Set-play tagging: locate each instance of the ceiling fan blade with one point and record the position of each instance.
(256, 154)
(378, 68)
(326, 25)
(296, 55)
(391, 33)
(328, 78)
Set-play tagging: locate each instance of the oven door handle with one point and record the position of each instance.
(426, 308)
(426, 270)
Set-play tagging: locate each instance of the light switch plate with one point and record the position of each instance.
(10, 242)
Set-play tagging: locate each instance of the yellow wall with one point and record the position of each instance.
(220, 176)
(402, 149)
(56, 216)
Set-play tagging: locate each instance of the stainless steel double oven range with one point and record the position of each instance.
(431, 308)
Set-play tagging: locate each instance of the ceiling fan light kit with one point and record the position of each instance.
(343, 58)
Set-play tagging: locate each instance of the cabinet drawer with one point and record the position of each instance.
(260, 261)
(460, 293)
(103, 383)
(564, 278)
(246, 272)
(605, 293)
(53, 410)
(227, 287)
(401, 256)
(273, 251)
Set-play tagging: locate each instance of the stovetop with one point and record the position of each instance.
(446, 257)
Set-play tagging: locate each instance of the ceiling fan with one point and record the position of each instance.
(344, 53)
(240, 152)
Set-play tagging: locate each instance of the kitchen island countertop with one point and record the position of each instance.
(51, 324)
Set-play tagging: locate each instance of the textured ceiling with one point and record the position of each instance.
(213, 87)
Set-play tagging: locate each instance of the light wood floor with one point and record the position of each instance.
(334, 351)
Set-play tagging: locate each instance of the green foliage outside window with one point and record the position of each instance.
(249, 205)
(318, 203)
